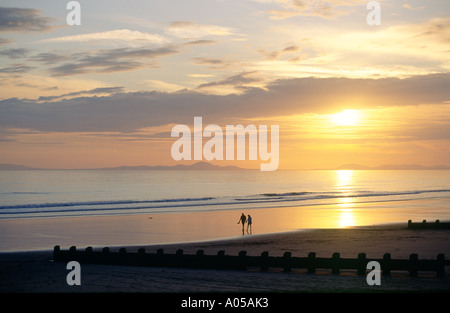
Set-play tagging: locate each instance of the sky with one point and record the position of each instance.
(108, 92)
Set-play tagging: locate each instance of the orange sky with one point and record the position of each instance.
(107, 93)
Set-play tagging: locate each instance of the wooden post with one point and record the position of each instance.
(87, 255)
(73, 253)
(141, 258)
(413, 259)
(440, 265)
(56, 253)
(335, 263)
(387, 264)
(311, 262)
(264, 259)
(287, 262)
(362, 264)
(242, 260)
(220, 260)
(199, 261)
(122, 257)
(104, 256)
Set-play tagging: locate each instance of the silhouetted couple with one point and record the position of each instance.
(243, 219)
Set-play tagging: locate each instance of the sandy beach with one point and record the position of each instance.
(35, 271)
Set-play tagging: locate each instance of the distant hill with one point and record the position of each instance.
(15, 167)
(353, 167)
(392, 167)
(209, 166)
(195, 166)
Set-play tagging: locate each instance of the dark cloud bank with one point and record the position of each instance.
(126, 112)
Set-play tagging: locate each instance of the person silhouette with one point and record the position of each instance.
(242, 220)
(249, 223)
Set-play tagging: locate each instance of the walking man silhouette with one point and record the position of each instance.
(242, 220)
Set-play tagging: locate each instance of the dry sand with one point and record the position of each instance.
(35, 271)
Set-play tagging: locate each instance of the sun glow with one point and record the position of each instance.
(345, 118)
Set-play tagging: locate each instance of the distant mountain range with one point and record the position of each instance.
(209, 166)
(196, 166)
(392, 167)
(15, 167)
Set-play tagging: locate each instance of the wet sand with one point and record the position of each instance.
(162, 228)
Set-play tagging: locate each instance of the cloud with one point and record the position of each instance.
(125, 36)
(104, 61)
(50, 58)
(328, 9)
(191, 30)
(216, 63)
(15, 53)
(408, 6)
(162, 86)
(5, 41)
(399, 50)
(240, 81)
(275, 55)
(128, 112)
(95, 91)
(437, 29)
(19, 19)
(33, 85)
(16, 68)
(200, 42)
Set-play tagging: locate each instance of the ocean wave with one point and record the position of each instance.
(97, 203)
(200, 203)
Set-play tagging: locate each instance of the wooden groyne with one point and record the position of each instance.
(242, 261)
(426, 225)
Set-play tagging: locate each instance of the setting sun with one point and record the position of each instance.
(345, 118)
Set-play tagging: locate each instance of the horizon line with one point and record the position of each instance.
(200, 166)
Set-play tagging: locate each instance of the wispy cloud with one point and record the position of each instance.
(5, 41)
(408, 6)
(126, 36)
(162, 86)
(16, 68)
(328, 9)
(105, 61)
(15, 53)
(239, 83)
(192, 30)
(20, 19)
(96, 91)
(217, 63)
(276, 54)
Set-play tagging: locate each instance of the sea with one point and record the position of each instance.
(40, 209)
(68, 193)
